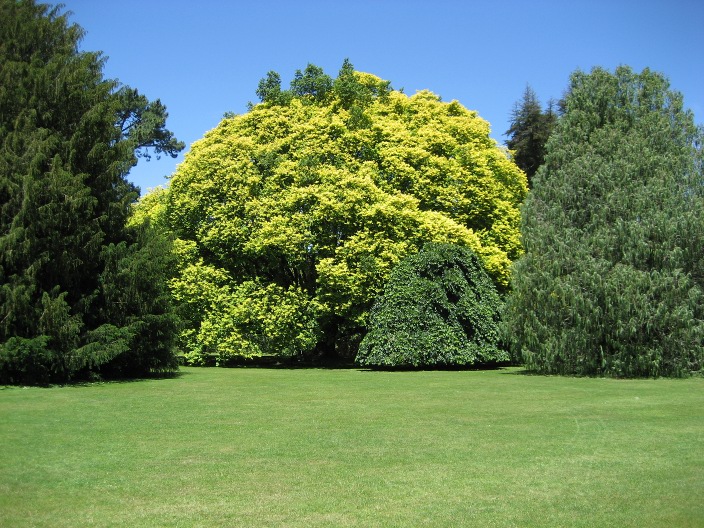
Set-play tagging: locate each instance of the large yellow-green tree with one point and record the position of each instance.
(290, 217)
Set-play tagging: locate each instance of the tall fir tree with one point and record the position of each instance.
(612, 280)
(68, 137)
(529, 132)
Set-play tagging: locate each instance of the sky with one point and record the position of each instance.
(204, 58)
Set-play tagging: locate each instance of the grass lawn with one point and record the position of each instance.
(335, 448)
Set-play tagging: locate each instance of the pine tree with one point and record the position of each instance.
(529, 132)
(611, 282)
(68, 137)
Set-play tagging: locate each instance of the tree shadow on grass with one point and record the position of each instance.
(520, 370)
(440, 368)
(291, 363)
(105, 381)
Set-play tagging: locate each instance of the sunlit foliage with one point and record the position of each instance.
(293, 214)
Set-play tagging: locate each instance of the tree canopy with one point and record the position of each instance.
(438, 309)
(612, 281)
(290, 217)
(72, 298)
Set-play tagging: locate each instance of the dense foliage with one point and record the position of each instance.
(529, 132)
(438, 308)
(290, 217)
(79, 291)
(612, 281)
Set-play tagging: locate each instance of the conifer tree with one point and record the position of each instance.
(611, 282)
(529, 132)
(68, 137)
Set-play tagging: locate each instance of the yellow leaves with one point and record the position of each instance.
(151, 207)
(306, 208)
(278, 234)
(356, 274)
(367, 79)
(186, 251)
(436, 227)
(257, 319)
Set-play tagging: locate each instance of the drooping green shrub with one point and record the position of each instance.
(439, 308)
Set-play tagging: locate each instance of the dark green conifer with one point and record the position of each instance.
(68, 137)
(529, 132)
(611, 282)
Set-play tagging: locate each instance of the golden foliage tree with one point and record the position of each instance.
(290, 217)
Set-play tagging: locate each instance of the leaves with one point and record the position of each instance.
(613, 233)
(438, 308)
(323, 195)
(68, 137)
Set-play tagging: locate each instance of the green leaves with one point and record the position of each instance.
(438, 308)
(143, 124)
(611, 281)
(68, 137)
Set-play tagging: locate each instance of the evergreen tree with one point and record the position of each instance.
(529, 132)
(68, 137)
(612, 279)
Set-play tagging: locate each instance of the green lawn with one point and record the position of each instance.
(307, 448)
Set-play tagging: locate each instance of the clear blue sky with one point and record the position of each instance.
(204, 58)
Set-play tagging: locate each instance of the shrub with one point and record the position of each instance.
(439, 308)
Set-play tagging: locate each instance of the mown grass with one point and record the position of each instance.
(308, 448)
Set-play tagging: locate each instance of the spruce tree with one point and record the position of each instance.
(68, 137)
(611, 282)
(529, 132)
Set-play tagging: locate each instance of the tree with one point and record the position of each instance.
(612, 279)
(313, 83)
(68, 137)
(289, 218)
(269, 89)
(529, 132)
(438, 308)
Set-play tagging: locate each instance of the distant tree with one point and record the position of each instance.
(529, 131)
(290, 217)
(612, 281)
(68, 137)
(438, 309)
